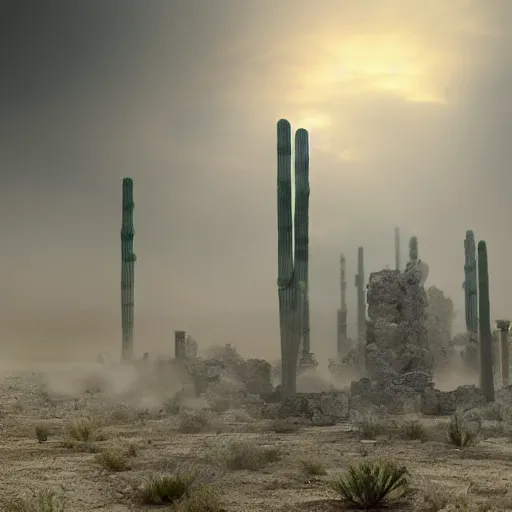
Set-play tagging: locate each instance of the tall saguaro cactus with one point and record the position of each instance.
(470, 286)
(361, 308)
(413, 249)
(285, 277)
(504, 351)
(301, 231)
(341, 344)
(292, 280)
(397, 249)
(127, 270)
(484, 317)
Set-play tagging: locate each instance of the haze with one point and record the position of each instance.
(409, 111)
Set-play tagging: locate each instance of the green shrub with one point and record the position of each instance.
(165, 489)
(372, 483)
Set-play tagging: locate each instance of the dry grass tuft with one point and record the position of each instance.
(84, 430)
(165, 490)
(459, 432)
(114, 460)
(238, 455)
(368, 426)
(413, 430)
(436, 498)
(204, 499)
(312, 467)
(44, 501)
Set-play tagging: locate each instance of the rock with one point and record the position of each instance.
(335, 404)
(387, 334)
(430, 403)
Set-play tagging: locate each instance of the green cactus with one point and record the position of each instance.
(127, 270)
(361, 308)
(292, 279)
(484, 316)
(397, 249)
(413, 249)
(286, 277)
(470, 286)
(342, 340)
(301, 234)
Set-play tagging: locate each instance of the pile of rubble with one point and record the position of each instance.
(224, 368)
(397, 338)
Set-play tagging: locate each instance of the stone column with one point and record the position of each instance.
(179, 344)
(503, 326)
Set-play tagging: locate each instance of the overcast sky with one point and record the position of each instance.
(409, 110)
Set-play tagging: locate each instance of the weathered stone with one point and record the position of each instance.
(397, 340)
(430, 404)
(387, 334)
(335, 404)
(379, 361)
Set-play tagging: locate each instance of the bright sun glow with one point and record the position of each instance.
(372, 63)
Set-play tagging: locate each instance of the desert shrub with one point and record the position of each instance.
(195, 423)
(372, 483)
(113, 460)
(85, 430)
(437, 498)
(312, 467)
(413, 430)
(459, 432)
(42, 433)
(44, 501)
(368, 426)
(204, 499)
(246, 455)
(165, 489)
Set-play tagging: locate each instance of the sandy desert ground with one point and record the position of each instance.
(293, 464)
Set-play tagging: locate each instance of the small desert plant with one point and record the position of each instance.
(436, 499)
(42, 433)
(165, 489)
(413, 430)
(114, 460)
(246, 455)
(459, 433)
(204, 499)
(368, 426)
(195, 423)
(372, 483)
(45, 501)
(312, 467)
(84, 430)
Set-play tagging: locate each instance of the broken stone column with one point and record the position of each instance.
(179, 344)
(503, 326)
(397, 340)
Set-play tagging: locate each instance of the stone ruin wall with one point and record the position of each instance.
(397, 337)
